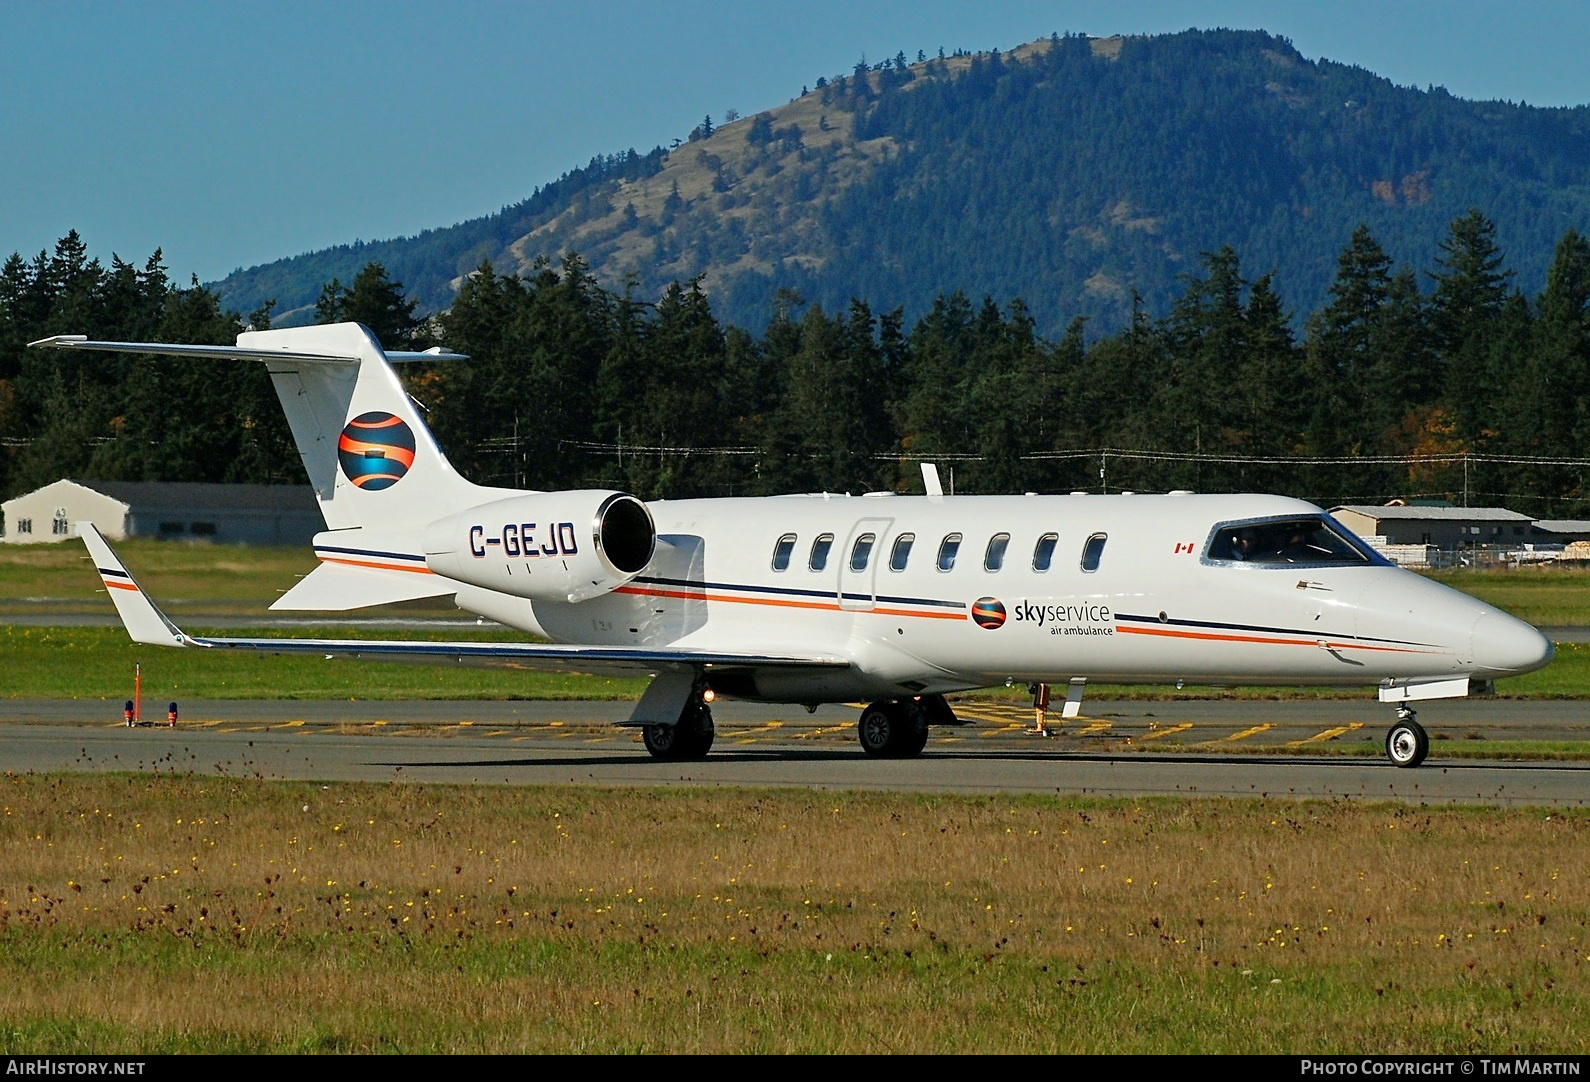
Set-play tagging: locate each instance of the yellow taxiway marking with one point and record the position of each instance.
(769, 727)
(1003, 727)
(1328, 734)
(299, 724)
(1243, 735)
(1155, 734)
(820, 731)
(379, 723)
(1096, 727)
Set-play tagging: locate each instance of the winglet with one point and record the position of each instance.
(143, 621)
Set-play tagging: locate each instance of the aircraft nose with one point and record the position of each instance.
(1505, 645)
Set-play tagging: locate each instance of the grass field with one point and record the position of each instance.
(175, 914)
(1546, 597)
(214, 578)
(97, 663)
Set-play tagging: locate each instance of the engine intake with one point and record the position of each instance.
(547, 546)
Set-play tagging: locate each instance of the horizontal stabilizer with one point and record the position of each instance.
(340, 587)
(167, 349)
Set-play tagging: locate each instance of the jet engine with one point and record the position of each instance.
(545, 546)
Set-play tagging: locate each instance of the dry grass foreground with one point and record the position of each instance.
(177, 914)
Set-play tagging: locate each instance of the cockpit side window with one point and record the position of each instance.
(1287, 542)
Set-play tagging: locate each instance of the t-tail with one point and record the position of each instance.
(376, 470)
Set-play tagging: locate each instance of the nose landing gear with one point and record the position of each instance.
(1406, 742)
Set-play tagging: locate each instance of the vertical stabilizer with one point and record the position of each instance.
(371, 459)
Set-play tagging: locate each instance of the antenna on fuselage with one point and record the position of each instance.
(930, 481)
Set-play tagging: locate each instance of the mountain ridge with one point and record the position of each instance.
(1085, 175)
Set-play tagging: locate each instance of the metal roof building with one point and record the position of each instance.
(257, 514)
(1444, 527)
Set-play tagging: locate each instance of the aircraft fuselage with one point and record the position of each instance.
(1126, 588)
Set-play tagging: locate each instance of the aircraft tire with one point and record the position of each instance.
(892, 730)
(914, 735)
(699, 731)
(662, 741)
(879, 730)
(1407, 744)
(690, 738)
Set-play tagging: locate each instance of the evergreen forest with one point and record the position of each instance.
(1446, 382)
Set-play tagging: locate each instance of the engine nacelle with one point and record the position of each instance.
(547, 546)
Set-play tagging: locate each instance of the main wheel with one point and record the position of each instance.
(893, 729)
(696, 730)
(689, 738)
(914, 736)
(878, 730)
(1407, 744)
(662, 741)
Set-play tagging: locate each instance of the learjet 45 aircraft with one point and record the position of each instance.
(887, 599)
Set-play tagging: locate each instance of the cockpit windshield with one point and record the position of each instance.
(1286, 542)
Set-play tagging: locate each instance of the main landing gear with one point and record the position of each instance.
(689, 738)
(893, 729)
(1407, 743)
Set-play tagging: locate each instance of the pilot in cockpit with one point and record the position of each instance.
(1243, 544)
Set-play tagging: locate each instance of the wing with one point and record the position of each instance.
(147, 624)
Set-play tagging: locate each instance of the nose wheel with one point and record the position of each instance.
(1407, 743)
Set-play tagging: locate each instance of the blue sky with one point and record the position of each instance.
(236, 133)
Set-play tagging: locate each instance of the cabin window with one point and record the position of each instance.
(820, 549)
(901, 552)
(861, 552)
(947, 550)
(1284, 542)
(782, 551)
(1043, 551)
(994, 558)
(1092, 552)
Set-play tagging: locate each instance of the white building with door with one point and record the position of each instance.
(177, 511)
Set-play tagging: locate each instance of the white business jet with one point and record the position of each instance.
(892, 600)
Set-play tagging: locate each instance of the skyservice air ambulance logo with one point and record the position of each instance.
(989, 612)
(376, 450)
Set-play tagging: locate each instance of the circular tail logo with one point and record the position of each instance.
(376, 450)
(989, 612)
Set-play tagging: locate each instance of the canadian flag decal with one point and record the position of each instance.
(1184, 546)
